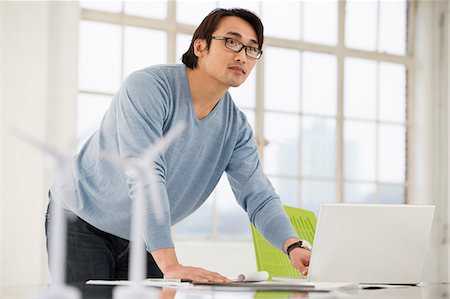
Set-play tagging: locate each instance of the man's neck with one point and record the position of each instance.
(205, 92)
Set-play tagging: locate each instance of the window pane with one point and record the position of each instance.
(392, 152)
(144, 47)
(231, 219)
(392, 92)
(320, 24)
(391, 194)
(282, 18)
(183, 43)
(319, 70)
(360, 88)
(318, 147)
(361, 24)
(90, 112)
(149, 9)
(193, 12)
(281, 159)
(287, 189)
(316, 192)
(359, 150)
(275, 128)
(110, 6)
(250, 117)
(360, 193)
(99, 57)
(393, 15)
(244, 95)
(282, 77)
(198, 224)
(282, 152)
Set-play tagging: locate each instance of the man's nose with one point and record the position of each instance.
(241, 56)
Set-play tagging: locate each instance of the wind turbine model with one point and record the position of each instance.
(57, 242)
(142, 168)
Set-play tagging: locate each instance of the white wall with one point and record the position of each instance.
(24, 100)
(36, 93)
(429, 151)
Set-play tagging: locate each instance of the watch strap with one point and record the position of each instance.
(298, 244)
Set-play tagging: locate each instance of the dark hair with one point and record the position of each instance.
(209, 25)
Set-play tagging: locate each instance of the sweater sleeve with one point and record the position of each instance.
(255, 193)
(141, 111)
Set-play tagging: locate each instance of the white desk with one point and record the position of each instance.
(424, 291)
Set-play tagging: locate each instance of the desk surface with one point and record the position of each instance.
(424, 291)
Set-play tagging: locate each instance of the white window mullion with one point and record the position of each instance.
(377, 134)
(410, 153)
(214, 228)
(259, 109)
(377, 35)
(340, 105)
(171, 32)
(122, 52)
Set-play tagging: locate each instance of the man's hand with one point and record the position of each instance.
(299, 257)
(167, 261)
(194, 273)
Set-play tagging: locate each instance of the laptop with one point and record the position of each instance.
(370, 244)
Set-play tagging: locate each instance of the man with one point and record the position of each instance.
(224, 50)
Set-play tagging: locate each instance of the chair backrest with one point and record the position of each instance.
(272, 260)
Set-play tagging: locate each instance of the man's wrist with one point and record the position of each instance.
(289, 242)
(165, 258)
(166, 265)
(299, 244)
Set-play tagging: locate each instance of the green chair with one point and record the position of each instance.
(272, 260)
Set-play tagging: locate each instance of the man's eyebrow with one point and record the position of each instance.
(240, 36)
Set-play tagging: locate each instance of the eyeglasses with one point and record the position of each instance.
(237, 46)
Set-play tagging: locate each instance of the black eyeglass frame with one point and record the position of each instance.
(242, 46)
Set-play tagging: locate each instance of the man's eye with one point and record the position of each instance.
(253, 50)
(233, 42)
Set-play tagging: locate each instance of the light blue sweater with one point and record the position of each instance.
(149, 103)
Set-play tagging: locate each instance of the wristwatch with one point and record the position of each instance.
(299, 244)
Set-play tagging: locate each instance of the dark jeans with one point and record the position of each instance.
(94, 254)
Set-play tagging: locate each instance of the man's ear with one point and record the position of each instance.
(199, 47)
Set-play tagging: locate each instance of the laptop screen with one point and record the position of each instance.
(361, 243)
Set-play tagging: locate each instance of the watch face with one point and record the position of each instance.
(306, 245)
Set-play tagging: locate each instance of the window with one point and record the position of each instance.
(327, 100)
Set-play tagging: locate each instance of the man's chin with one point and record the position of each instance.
(236, 84)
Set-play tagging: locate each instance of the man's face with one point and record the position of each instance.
(225, 66)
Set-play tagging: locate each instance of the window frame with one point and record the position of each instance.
(172, 28)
